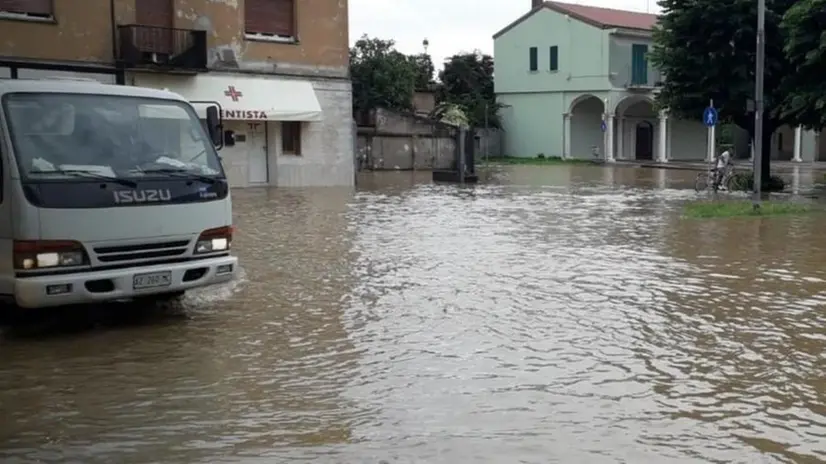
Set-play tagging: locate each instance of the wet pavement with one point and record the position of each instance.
(551, 314)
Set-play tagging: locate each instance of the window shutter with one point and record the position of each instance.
(35, 7)
(270, 17)
(554, 66)
(534, 59)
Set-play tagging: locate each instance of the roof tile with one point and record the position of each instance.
(607, 17)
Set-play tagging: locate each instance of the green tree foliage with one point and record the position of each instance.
(382, 76)
(467, 81)
(450, 113)
(425, 71)
(804, 25)
(706, 50)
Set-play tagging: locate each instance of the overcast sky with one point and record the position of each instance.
(451, 26)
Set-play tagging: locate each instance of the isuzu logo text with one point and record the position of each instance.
(142, 196)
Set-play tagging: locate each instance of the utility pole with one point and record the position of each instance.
(486, 138)
(758, 101)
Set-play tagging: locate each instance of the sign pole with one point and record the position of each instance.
(712, 139)
(758, 101)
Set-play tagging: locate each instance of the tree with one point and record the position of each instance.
(450, 113)
(424, 70)
(706, 50)
(805, 49)
(382, 76)
(467, 81)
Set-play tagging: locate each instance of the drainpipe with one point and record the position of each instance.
(120, 77)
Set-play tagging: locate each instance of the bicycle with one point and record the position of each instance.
(707, 179)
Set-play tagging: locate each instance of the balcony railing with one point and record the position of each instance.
(162, 48)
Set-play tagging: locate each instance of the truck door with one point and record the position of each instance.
(6, 226)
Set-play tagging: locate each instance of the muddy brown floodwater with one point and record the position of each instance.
(553, 314)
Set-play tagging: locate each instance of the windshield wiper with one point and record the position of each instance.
(183, 173)
(90, 175)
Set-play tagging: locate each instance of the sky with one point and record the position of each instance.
(450, 26)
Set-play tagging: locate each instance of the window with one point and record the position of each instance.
(639, 64)
(273, 19)
(291, 138)
(534, 59)
(26, 8)
(780, 141)
(109, 135)
(554, 66)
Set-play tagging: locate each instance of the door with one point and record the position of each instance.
(158, 18)
(257, 153)
(6, 226)
(644, 149)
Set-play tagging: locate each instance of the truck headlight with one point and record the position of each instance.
(45, 254)
(214, 240)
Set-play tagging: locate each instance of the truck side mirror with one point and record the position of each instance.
(214, 126)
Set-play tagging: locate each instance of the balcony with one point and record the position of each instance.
(162, 48)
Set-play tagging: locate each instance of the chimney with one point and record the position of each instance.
(536, 3)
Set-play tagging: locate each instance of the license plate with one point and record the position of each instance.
(152, 280)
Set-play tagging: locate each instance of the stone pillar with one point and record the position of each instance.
(566, 136)
(620, 138)
(662, 140)
(798, 144)
(609, 137)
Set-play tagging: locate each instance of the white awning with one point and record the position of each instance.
(243, 98)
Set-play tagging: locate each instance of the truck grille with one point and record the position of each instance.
(113, 254)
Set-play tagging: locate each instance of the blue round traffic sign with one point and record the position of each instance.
(710, 117)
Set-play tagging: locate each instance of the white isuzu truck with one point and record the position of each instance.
(107, 193)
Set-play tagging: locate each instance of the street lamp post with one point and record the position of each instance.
(758, 101)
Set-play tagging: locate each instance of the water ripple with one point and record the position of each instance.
(565, 315)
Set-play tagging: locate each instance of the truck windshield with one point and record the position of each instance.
(63, 135)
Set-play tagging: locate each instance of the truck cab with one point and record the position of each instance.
(108, 193)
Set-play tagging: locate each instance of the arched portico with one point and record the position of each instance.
(642, 131)
(583, 127)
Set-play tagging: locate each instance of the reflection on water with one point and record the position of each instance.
(553, 314)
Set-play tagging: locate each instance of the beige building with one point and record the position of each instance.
(278, 68)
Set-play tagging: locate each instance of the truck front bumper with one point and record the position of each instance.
(116, 284)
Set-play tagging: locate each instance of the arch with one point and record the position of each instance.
(586, 138)
(582, 98)
(626, 103)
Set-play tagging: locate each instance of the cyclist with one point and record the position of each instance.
(722, 167)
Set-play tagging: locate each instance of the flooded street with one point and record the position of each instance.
(551, 314)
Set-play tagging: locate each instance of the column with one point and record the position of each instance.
(620, 138)
(609, 137)
(663, 137)
(566, 136)
(798, 144)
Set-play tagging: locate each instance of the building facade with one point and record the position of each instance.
(575, 81)
(278, 68)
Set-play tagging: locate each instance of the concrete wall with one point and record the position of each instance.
(400, 141)
(533, 123)
(489, 142)
(583, 56)
(83, 31)
(327, 157)
(424, 102)
(621, 58)
(689, 140)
